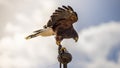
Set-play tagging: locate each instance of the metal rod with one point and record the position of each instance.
(64, 65)
(60, 65)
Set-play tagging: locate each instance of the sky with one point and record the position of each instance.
(98, 27)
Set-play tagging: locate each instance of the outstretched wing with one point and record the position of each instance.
(63, 13)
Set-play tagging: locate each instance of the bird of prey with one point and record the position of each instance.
(60, 24)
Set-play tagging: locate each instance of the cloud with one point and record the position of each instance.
(25, 16)
(22, 12)
(17, 19)
(99, 37)
(96, 43)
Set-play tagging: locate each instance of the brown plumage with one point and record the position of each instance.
(60, 25)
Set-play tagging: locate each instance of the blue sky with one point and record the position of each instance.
(98, 28)
(95, 12)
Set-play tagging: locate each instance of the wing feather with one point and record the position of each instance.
(61, 9)
(64, 12)
(65, 7)
(70, 8)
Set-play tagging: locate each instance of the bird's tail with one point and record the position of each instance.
(31, 36)
(41, 32)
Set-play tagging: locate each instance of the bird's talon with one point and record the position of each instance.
(58, 43)
(59, 48)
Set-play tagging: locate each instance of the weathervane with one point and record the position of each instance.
(61, 25)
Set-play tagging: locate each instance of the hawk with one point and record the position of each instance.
(60, 24)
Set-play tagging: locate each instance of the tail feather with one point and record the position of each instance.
(31, 36)
(38, 31)
(41, 32)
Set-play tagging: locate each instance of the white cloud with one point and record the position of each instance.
(15, 51)
(27, 15)
(97, 41)
(99, 37)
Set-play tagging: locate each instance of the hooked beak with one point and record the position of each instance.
(76, 39)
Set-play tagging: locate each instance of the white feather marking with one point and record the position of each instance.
(47, 32)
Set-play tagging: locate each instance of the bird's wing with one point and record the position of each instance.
(63, 13)
(42, 32)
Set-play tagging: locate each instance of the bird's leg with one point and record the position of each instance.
(58, 43)
(58, 40)
(59, 48)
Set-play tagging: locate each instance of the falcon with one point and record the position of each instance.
(60, 25)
